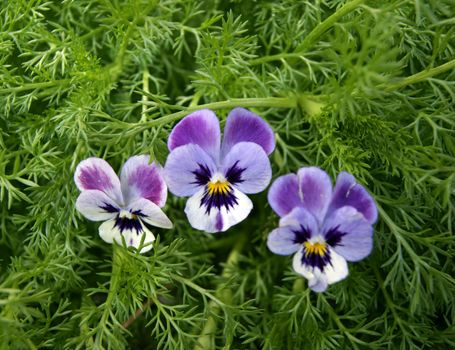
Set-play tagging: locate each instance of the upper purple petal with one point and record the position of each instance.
(348, 232)
(243, 125)
(247, 167)
(348, 192)
(284, 194)
(185, 169)
(140, 179)
(201, 128)
(95, 205)
(96, 174)
(316, 190)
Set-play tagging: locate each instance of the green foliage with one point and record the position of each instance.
(362, 86)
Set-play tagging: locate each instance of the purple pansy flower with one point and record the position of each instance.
(216, 175)
(125, 204)
(324, 227)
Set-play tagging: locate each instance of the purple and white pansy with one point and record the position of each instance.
(216, 175)
(124, 204)
(325, 227)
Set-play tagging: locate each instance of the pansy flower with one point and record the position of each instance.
(124, 205)
(325, 227)
(217, 175)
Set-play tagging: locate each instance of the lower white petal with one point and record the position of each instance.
(337, 270)
(110, 233)
(318, 280)
(218, 219)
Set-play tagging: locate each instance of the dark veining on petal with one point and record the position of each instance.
(234, 173)
(315, 260)
(124, 223)
(202, 175)
(333, 236)
(218, 199)
(302, 235)
(109, 208)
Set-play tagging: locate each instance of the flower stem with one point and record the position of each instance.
(206, 338)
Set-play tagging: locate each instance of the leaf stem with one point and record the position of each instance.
(317, 31)
(32, 86)
(418, 77)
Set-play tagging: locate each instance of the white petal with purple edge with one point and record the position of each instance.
(315, 189)
(96, 205)
(182, 166)
(141, 179)
(109, 233)
(201, 128)
(352, 233)
(216, 220)
(348, 192)
(243, 125)
(247, 167)
(284, 194)
(96, 174)
(150, 213)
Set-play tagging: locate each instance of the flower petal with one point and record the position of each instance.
(295, 228)
(141, 179)
(184, 167)
(247, 167)
(348, 192)
(243, 125)
(316, 190)
(282, 241)
(96, 205)
(150, 213)
(96, 174)
(349, 233)
(201, 128)
(319, 280)
(284, 194)
(110, 233)
(216, 220)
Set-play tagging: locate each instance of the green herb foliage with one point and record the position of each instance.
(362, 86)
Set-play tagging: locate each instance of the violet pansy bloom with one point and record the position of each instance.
(216, 175)
(124, 205)
(325, 227)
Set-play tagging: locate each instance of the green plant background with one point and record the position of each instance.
(361, 86)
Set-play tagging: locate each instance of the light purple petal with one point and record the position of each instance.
(96, 174)
(216, 220)
(180, 168)
(284, 194)
(243, 125)
(96, 205)
(288, 238)
(348, 192)
(150, 213)
(201, 128)
(316, 190)
(349, 233)
(281, 241)
(300, 217)
(248, 164)
(140, 179)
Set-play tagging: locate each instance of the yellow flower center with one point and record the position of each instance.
(218, 187)
(319, 248)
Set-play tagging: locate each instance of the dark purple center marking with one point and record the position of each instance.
(125, 223)
(218, 199)
(333, 236)
(315, 258)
